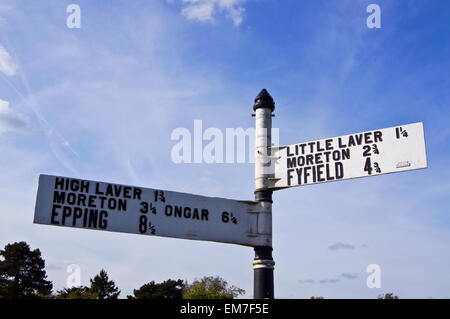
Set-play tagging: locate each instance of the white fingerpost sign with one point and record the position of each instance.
(71, 202)
(389, 150)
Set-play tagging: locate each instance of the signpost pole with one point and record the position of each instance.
(263, 264)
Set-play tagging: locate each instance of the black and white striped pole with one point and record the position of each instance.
(263, 264)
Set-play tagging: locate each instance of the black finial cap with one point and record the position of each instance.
(264, 100)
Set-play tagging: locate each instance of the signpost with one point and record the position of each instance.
(71, 202)
(371, 153)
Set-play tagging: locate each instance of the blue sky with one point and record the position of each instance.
(100, 102)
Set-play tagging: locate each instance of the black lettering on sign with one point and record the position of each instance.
(143, 224)
(319, 149)
(113, 190)
(144, 208)
(168, 210)
(69, 216)
(85, 217)
(98, 191)
(329, 177)
(378, 136)
(178, 210)
(346, 154)
(302, 146)
(399, 132)
(375, 149)
(78, 213)
(82, 200)
(314, 175)
(59, 197)
(291, 162)
(299, 174)
(137, 192)
(59, 183)
(318, 158)
(320, 173)
(71, 198)
(368, 138)
(315, 159)
(328, 144)
(205, 214)
(159, 195)
(366, 149)
(186, 212)
(225, 217)
(317, 174)
(306, 174)
(93, 217)
(55, 214)
(91, 202)
(66, 212)
(103, 221)
(336, 155)
(368, 166)
(289, 176)
(311, 147)
(359, 139)
(288, 152)
(73, 185)
(339, 169)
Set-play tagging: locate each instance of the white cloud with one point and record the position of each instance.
(7, 65)
(204, 10)
(12, 121)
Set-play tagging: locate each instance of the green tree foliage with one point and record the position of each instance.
(103, 287)
(169, 289)
(22, 273)
(211, 288)
(388, 295)
(76, 293)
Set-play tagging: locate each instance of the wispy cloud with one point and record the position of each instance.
(58, 144)
(205, 10)
(7, 65)
(329, 281)
(12, 121)
(54, 267)
(339, 246)
(349, 276)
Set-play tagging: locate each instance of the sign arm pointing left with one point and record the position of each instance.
(70, 202)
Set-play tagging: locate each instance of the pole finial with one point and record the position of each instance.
(264, 100)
